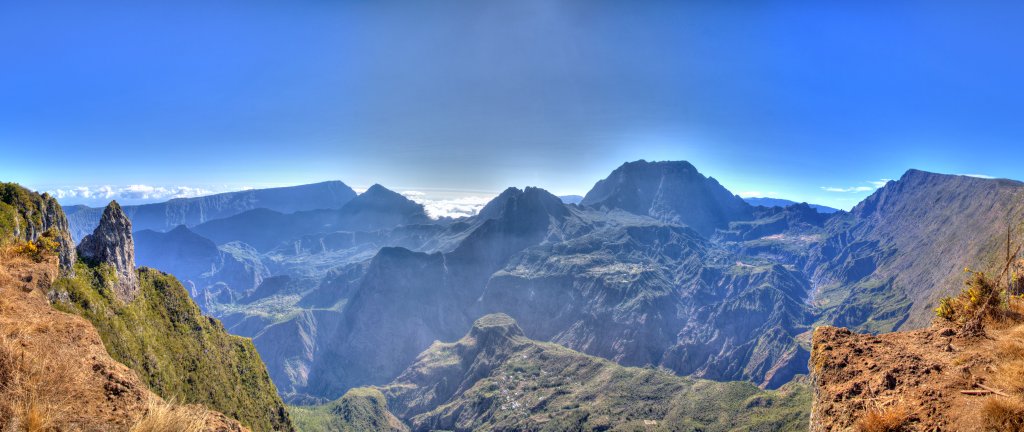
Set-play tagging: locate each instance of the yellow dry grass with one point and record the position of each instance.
(163, 416)
(888, 419)
(34, 392)
(1003, 414)
(999, 412)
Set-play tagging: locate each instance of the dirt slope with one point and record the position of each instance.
(55, 372)
(914, 381)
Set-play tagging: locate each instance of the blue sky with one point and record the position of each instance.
(793, 99)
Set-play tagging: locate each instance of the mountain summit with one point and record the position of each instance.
(671, 191)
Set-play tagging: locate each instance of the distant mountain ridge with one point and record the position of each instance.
(193, 211)
(375, 209)
(778, 202)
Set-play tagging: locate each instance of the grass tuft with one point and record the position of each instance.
(889, 419)
(1003, 414)
(162, 416)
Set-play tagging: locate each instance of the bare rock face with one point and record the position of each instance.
(112, 243)
(54, 218)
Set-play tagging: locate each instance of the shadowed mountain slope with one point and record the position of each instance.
(669, 192)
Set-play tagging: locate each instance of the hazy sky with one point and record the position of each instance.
(802, 100)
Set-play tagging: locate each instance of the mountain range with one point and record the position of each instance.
(658, 266)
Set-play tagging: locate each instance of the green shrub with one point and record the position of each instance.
(982, 297)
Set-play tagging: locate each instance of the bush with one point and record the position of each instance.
(981, 298)
(46, 245)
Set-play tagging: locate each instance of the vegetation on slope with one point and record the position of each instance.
(497, 379)
(55, 373)
(359, 410)
(180, 353)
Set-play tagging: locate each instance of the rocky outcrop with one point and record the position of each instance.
(27, 216)
(112, 243)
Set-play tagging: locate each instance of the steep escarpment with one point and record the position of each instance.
(495, 378)
(884, 265)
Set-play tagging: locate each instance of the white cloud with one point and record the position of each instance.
(450, 207)
(136, 192)
(757, 194)
(875, 184)
(848, 189)
(981, 176)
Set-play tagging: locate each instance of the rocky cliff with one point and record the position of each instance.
(27, 216)
(111, 243)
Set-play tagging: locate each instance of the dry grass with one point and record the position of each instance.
(164, 416)
(889, 419)
(1003, 414)
(34, 393)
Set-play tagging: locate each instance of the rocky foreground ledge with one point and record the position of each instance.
(923, 380)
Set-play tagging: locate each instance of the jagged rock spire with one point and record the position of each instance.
(112, 243)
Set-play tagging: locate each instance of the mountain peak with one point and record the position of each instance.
(377, 188)
(380, 194)
(514, 200)
(379, 207)
(111, 242)
(670, 191)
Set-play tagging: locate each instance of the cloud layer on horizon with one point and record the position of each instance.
(449, 207)
(131, 193)
(875, 184)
